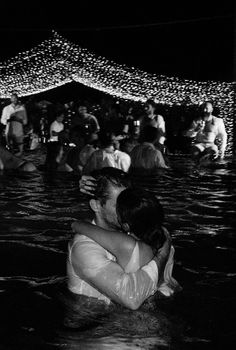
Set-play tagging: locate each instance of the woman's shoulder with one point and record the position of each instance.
(144, 249)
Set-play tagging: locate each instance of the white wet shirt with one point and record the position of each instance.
(57, 127)
(99, 276)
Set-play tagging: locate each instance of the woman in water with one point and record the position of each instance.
(141, 218)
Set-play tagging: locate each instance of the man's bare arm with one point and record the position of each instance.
(222, 135)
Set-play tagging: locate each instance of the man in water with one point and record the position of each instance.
(14, 117)
(207, 131)
(152, 118)
(93, 271)
(86, 120)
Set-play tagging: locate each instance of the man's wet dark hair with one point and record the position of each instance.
(107, 177)
(150, 102)
(14, 93)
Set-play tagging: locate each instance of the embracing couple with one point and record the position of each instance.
(125, 254)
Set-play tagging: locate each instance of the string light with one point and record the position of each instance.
(57, 61)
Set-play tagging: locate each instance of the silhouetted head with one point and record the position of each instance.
(54, 155)
(110, 182)
(141, 213)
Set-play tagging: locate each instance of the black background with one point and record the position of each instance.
(192, 40)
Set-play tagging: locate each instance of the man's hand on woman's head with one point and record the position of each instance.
(87, 185)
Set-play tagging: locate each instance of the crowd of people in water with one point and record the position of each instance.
(83, 136)
(125, 254)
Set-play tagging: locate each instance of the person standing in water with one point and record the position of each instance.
(92, 270)
(207, 131)
(138, 242)
(14, 117)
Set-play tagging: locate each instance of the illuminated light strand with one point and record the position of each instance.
(57, 61)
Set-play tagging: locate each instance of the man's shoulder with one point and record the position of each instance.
(159, 118)
(218, 121)
(7, 107)
(81, 239)
(122, 154)
(88, 252)
(82, 243)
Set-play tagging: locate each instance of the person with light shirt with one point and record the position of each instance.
(56, 127)
(14, 117)
(208, 131)
(152, 118)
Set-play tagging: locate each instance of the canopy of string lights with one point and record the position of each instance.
(57, 61)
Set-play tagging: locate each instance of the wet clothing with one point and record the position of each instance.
(56, 127)
(169, 284)
(100, 277)
(97, 264)
(102, 159)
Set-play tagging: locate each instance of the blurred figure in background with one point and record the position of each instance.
(151, 118)
(57, 127)
(146, 159)
(85, 120)
(132, 139)
(14, 117)
(208, 130)
(108, 155)
(55, 158)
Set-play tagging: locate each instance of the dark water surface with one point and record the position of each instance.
(36, 214)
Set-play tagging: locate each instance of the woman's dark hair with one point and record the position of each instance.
(144, 214)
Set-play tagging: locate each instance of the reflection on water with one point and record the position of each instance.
(37, 312)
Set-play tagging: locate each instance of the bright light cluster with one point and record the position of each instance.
(57, 61)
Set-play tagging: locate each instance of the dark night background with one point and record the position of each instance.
(193, 40)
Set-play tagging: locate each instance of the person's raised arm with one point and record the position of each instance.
(118, 243)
